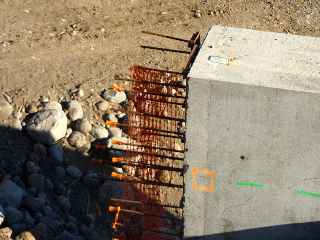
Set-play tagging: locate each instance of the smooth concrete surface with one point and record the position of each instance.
(253, 138)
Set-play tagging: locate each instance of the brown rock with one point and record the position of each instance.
(25, 236)
(5, 233)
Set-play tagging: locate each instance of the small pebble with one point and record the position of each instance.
(197, 14)
(74, 172)
(102, 106)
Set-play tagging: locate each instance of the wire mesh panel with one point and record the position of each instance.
(153, 154)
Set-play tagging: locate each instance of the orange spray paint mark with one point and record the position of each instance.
(210, 177)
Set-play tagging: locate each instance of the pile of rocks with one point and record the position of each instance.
(35, 201)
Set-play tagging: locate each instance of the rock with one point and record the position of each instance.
(74, 172)
(47, 126)
(83, 125)
(40, 150)
(31, 108)
(75, 110)
(197, 14)
(37, 181)
(102, 106)
(41, 231)
(119, 97)
(44, 99)
(17, 124)
(68, 133)
(110, 117)
(13, 215)
(5, 233)
(10, 193)
(5, 109)
(52, 106)
(100, 132)
(79, 92)
(49, 184)
(2, 216)
(25, 236)
(60, 172)
(28, 219)
(34, 204)
(65, 235)
(32, 167)
(64, 203)
(77, 139)
(56, 152)
(106, 94)
(115, 132)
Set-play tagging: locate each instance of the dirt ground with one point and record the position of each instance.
(48, 47)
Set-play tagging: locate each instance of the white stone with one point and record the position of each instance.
(83, 125)
(118, 97)
(52, 106)
(115, 131)
(75, 110)
(47, 126)
(102, 105)
(100, 132)
(77, 139)
(2, 217)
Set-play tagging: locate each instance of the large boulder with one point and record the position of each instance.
(47, 126)
(10, 193)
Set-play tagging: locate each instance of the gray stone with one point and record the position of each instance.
(10, 193)
(74, 172)
(64, 203)
(56, 152)
(37, 181)
(60, 172)
(5, 233)
(28, 219)
(34, 204)
(75, 111)
(13, 215)
(102, 106)
(2, 216)
(84, 126)
(47, 126)
(5, 109)
(32, 167)
(118, 97)
(100, 132)
(77, 139)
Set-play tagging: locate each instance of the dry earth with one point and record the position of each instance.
(47, 47)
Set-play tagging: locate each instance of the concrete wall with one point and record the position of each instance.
(252, 150)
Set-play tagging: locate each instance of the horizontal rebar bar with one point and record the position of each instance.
(165, 49)
(165, 36)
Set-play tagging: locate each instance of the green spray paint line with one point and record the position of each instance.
(308, 194)
(249, 184)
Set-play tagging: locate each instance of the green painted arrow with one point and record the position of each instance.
(249, 184)
(309, 194)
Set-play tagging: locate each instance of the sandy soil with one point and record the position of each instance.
(48, 47)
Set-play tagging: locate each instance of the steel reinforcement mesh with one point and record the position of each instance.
(154, 154)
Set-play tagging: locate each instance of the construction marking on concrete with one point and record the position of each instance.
(203, 180)
(308, 194)
(249, 184)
